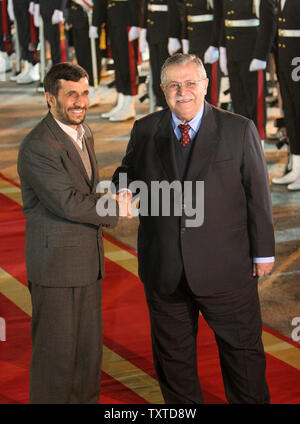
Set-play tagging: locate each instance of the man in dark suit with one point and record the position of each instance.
(210, 268)
(64, 249)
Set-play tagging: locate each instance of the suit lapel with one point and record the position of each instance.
(163, 139)
(204, 148)
(68, 145)
(89, 144)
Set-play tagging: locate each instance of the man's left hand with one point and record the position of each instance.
(262, 269)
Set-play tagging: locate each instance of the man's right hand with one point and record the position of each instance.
(124, 200)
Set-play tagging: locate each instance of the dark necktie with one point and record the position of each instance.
(185, 137)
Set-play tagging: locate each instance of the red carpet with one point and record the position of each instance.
(126, 331)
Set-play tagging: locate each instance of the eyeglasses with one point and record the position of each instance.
(189, 85)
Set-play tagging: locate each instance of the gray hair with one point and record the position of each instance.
(182, 59)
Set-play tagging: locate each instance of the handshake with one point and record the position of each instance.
(124, 201)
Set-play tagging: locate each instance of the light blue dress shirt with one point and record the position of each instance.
(193, 123)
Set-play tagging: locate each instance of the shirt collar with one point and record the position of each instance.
(194, 123)
(76, 135)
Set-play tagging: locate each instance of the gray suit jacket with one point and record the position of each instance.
(63, 230)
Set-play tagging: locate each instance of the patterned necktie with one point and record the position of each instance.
(80, 133)
(185, 137)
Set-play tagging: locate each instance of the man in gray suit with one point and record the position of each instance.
(64, 249)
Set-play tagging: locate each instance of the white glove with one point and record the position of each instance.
(185, 46)
(133, 33)
(31, 8)
(10, 10)
(173, 45)
(143, 45)
(257, 65)
(211, 55)
(93, 32)
(36, 16)
(223, 60)
(57, 17)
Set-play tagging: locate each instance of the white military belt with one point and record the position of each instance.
(158, 7)
(200, 18)
(242, 23)
(289, 32)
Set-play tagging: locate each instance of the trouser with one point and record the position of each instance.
(213, 74)
(158, 55)
(26, 31)
(290, 93)
(58, 42)
(236, 321)
(82, 42)
(82, 45)
(124, 54)
(5, 30)
(66, 334)
(247, 98)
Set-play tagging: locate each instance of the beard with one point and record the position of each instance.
(64, 114)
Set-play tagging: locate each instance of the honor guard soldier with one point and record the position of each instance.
(123, 33)
(18, 11)
(52, 13)
(5, 39)
(155, 31)
(175, 19)
(288, 52)
(248, 31)
(82, 32)
(200, 32)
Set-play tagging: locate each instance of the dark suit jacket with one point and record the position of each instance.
(63, 230)
(226, 155)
